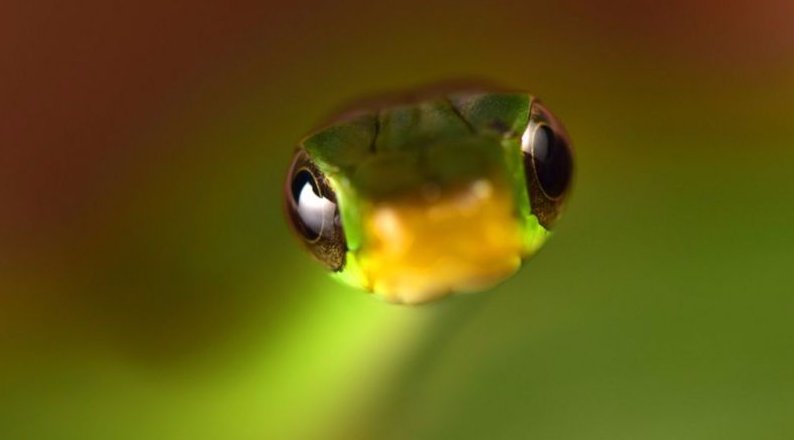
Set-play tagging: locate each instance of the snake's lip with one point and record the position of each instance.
(420, 248)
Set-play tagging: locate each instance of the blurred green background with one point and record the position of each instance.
(150, 288)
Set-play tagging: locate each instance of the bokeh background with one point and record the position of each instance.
(150, 289)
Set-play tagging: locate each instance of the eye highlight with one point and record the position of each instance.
(548, 164)
(313, 212)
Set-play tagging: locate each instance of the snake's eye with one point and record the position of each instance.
(548, 164)
(313, 212)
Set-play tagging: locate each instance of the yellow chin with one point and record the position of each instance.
(421, 248)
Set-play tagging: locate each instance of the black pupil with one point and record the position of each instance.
(303, 178)
(552, 160)
(314, 211)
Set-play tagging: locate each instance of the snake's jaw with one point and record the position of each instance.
(462, 239)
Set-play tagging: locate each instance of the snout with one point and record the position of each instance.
(423, 246)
